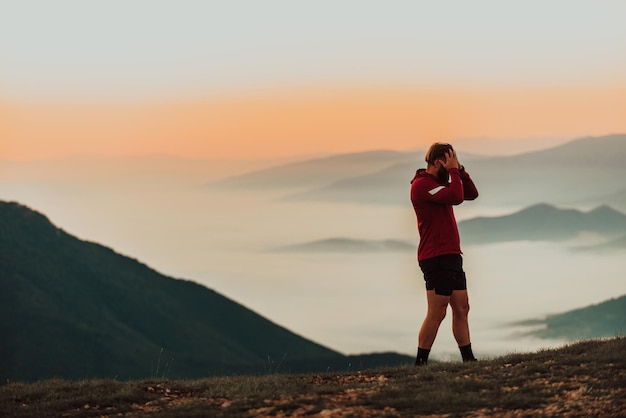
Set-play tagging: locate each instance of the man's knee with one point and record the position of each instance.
(460, 303)
(461, 308)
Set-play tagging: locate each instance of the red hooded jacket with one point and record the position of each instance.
(433, 202)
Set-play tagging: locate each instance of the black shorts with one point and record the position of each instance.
(444, 273)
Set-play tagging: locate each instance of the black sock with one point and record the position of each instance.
(466, 353)
(422, 356)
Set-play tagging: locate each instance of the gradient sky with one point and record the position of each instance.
(251, 79)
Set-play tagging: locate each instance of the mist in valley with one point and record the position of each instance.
(172, 215)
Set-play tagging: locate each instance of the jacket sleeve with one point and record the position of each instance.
(451, 194)
(469, 188)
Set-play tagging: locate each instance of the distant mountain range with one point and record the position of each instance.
(76, 309)
(583, 171)
(347, 245)
(543, 222)
(316, 172)
(606, 319)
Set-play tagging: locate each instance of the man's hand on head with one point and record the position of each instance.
(451, 160)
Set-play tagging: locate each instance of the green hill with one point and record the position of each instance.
(75, 309)
(606, 319)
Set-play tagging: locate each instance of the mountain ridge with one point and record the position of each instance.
(538, 222)
(592, 166)
(313, 172)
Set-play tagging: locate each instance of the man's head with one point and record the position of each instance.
(436, 157)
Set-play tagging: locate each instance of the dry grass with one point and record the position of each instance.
(586, 379)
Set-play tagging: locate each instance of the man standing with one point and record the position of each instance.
(434, 191)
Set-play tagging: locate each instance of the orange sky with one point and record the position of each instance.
(306, 121)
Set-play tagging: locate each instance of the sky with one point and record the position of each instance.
(279, 79)
(249, 79)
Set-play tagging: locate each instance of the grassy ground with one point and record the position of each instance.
(585, 379)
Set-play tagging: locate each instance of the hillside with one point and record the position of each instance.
(76, 309)
(586, 379)
(543, 222)
(606, 319)
(347, 245)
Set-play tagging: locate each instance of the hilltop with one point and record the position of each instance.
(580, 380)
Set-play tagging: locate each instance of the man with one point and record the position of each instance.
(434, 191)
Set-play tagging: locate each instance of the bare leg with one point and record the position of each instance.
(459, 302)
(437, 306)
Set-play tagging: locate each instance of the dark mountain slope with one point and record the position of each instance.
(76, 309)
(605, 319)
